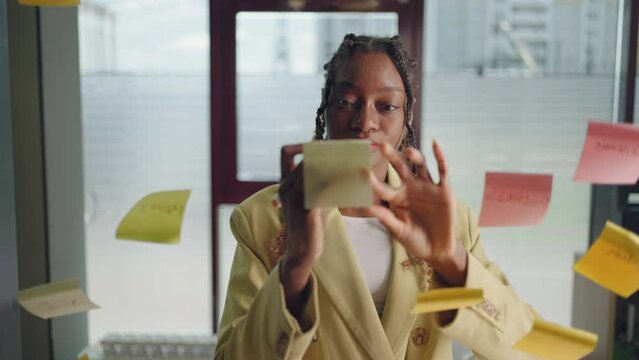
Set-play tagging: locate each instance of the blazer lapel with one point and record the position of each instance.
(403, 288)
(339, 273)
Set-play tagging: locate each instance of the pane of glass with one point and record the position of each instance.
(145, 103)
(226, 248)
(280, 59)
(512, 90)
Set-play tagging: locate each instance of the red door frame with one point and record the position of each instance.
(225, 187)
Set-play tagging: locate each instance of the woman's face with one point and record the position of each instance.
(367, 102)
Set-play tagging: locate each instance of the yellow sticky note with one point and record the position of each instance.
(613, 260)
(156, 218)
(55, 299)
(336, 174)
(554, 342)
(49, 2)
(447, 299)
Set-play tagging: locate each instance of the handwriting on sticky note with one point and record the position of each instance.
(555, 342)
(610, 154)
(447, 299)
(49, 2)
(617, 148)
(335, 174)
(515, 199)
(613, 260)
(157, 217)
(55, 299)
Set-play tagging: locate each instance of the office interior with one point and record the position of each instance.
(107, 101)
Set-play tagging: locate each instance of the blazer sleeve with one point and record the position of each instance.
(492, 327)
(256, 323)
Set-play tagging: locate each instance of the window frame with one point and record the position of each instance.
(226, 188)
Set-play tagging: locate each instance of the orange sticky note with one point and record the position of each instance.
(554, 342)
(613, 260)
(515, 199)
(610, 154)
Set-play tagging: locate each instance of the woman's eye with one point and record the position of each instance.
(389, 107)
(344, 103)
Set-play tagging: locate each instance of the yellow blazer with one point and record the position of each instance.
(340, 320)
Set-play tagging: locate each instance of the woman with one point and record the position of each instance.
(340, 283)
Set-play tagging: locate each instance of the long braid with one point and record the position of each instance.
(403, 62)
(342, 53)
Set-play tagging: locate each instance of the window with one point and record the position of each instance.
(280, 75)
(146, 125)
(491, 110)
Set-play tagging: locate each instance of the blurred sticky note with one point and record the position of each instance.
(554, 342)
(157, 217)
(610, 154)
(49, 2)
(335, 174)
(613, 260)
(515, 199)
(55, 299)
(447, 299)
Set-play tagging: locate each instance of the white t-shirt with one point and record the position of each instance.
(373, 248)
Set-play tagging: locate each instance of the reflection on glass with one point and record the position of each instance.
(145, 108)
(492, 109)
(280, 76)
(506, 37)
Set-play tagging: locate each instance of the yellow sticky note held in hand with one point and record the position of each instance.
(336, 174)
(555, 342)
(55, 299)
(447, 299)
(49, 2)
(156, 218)
(613, 260)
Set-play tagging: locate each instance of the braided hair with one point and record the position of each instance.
(404, 64)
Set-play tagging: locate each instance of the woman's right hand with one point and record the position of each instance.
(304, 232)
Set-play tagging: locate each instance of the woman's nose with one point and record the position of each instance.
(365, 119)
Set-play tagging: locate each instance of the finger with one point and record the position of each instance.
(287, 158)
(417, 158)
(442, 167)
(315, 217)
(297, 177)
(291, 181)
(396, 161)
(382, 190)
(395, 226)
(291, 188)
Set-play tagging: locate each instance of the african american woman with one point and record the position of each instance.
(340, 283)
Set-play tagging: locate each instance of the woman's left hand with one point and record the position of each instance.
(421, 213)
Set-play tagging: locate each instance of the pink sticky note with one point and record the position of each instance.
(515, 199)
(610, 154)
